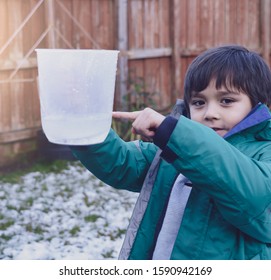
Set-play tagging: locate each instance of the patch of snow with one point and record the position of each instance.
(66, 215)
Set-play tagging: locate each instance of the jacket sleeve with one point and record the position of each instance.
(120, 164)
(239, 185)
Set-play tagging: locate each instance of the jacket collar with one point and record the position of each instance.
(259, 114)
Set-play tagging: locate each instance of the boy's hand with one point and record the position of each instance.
(145, 122)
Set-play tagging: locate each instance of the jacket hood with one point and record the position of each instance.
(259, 120)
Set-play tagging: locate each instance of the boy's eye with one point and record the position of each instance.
(227, 101)
(197, 103)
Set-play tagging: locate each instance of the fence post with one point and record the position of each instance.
(175, 43)
(265, 29)
(123, 47)
(50, 11)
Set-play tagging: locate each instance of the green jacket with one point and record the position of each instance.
(228, 213)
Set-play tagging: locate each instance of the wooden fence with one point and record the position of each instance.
(157, 39)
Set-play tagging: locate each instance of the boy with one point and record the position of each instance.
(205, 181)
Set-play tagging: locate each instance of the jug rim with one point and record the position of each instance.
(74, 50)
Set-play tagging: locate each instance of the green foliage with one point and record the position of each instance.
(5, 225)
(34, 229)
(92, 218)
(74, 230)
(137, 98)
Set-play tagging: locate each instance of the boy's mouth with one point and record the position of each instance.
(216, 128)
(219, 130)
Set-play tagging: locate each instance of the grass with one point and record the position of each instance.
(14, 174)
(74, 230)
(91, 218)
(5, 225)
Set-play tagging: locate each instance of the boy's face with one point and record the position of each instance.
(219, 109)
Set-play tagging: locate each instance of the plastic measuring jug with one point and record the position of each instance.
(76, 91)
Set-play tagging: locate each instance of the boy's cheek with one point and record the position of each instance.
(195, 116)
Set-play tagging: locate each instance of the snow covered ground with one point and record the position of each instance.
(66, 215)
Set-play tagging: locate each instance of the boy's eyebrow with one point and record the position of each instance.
(222, 92)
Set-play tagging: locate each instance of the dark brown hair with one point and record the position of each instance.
(230, 66)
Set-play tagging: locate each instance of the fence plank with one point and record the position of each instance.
(219, 22)
(164, 12)
(5, 104)
(183, 22)
(231, 21)
(265, 29)
(147, 23)
(14, 21)
(3, 23)
(253, 24)
(48, 13)
(122, 46)
(176, 47)
(164, 90)
(135, 34)
(15, 136)
(193, 24)
(206, 25)
(82, 12)
(151, 76)
(64, 23)
(242, 22)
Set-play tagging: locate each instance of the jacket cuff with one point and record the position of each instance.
(162, 136)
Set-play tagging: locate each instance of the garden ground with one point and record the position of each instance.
(62, 212)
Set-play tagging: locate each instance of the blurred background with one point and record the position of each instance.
(157, 40)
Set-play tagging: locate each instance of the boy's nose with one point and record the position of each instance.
(211, 112)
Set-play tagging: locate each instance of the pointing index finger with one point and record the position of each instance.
(125, 115)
